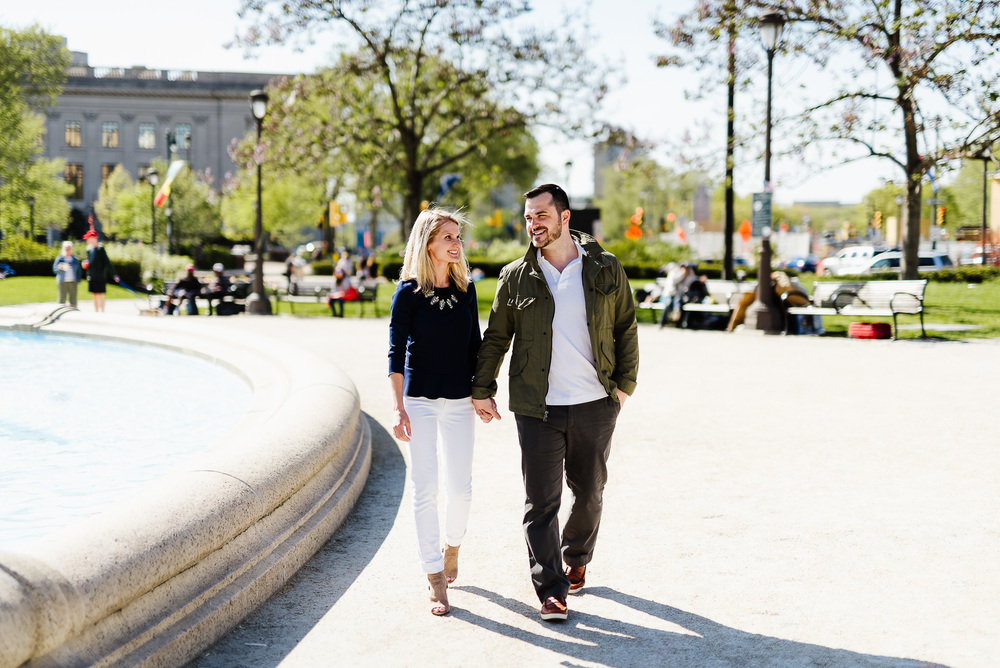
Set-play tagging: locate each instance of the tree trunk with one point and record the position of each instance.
(730, 225)
(914, 176)
(411, 203)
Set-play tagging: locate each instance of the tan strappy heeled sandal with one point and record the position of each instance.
(450, 562)
(439, 593)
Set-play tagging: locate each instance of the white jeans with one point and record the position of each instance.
(452, 423)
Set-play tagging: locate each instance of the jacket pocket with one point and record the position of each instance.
(518, 361)
(524, 308)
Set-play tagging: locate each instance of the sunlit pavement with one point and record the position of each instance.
(773, 501)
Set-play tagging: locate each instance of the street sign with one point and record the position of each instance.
(761, 213)
(934, 201)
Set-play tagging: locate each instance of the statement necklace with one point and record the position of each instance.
(441, 302)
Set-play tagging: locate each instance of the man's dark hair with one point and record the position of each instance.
(559, 196)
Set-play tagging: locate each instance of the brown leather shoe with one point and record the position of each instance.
(577, 578)
(554, 609)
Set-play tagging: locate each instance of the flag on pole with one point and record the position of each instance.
(175, 168)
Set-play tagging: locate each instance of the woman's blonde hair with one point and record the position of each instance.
(417, 259)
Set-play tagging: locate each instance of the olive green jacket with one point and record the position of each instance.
(523, 310)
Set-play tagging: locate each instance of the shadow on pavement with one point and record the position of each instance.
(696, 642)
(269, 634)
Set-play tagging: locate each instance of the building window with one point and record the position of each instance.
(147, 135)
(106, 170)
(73, 137)
(74, 177)
(182, 136)
(109, 134)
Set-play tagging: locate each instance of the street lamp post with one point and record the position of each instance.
(153, 177)
(764, 313)
(169, 211)
(986, 157)
(258, 303)
(31, 218)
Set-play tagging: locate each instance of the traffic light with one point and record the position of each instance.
(877, 220)
(940, 216)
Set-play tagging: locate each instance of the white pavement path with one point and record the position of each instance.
(773, 501)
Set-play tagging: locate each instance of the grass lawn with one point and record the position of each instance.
(34, 289)
(975, 304)
(950, 303)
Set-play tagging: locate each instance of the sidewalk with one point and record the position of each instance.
(773, 501)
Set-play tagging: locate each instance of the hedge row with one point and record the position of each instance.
(128, 271)
(971, 273)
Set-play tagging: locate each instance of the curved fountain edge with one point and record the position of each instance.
(164, 574)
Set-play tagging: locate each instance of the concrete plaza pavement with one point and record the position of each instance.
(773, 501)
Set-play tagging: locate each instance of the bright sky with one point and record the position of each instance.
(190, 34)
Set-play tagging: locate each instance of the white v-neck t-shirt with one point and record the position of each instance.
(573, 375)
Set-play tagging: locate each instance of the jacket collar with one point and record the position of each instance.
(594, 251)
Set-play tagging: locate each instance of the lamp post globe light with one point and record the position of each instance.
(257, 302)
(986, 157)
(153, 177)
(764, 313)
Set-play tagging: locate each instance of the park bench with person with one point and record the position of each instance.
(723, 295)
(858, 299)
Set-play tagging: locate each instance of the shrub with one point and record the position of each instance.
(19, 248)
(322, 268)
(966, 273)
(152, 267)
(30, 267)
(211, 253)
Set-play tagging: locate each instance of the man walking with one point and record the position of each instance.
(568, 308)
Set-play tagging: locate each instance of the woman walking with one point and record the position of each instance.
(434, 339)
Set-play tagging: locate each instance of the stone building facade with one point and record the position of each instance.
(108, 116)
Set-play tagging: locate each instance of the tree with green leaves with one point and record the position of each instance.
(712, 38)
(428, 84)
(914, 83)
(123, 207)
(642, 183)
(32, 72)
(291, 203)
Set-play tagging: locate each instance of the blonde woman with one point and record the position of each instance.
(433, 343)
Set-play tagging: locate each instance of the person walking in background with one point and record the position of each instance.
(433, 342)
(568, 307)
(99, 270)
(69, 273)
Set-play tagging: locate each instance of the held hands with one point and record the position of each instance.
(486, 409)
(401, 424)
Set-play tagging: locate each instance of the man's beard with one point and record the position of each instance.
(550, 236)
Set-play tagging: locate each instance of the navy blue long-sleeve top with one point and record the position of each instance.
(434, 340)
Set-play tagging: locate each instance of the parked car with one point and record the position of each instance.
(849, 260)
(803, 264)
(892, 260)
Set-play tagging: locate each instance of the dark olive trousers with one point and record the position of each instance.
(575, 440)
